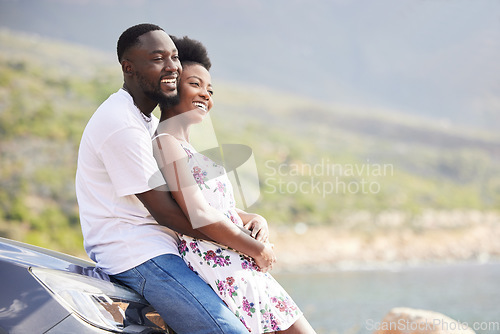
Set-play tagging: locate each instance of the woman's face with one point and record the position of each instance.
(195, 90)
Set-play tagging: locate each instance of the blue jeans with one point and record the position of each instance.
(182, 298)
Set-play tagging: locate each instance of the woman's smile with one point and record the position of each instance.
(201, 105)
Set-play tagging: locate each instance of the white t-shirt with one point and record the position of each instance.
(115, 162)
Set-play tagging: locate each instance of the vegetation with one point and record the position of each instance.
(317, 163)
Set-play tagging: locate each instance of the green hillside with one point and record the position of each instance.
(317, 163)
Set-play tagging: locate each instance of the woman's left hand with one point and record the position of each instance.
(258, 228)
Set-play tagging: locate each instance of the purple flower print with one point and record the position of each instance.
(200, 177)
(248, 307)
(274, 324)
(284, 305)
(270, 322)
(210, 255)
(221, 187)
(248, 263)
(183, 248)
(220, 286)
(281, 306)
(218, 260)
(225, 288)
(232, 290)
(194, 246)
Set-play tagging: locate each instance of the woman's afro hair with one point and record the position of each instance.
(192, 51)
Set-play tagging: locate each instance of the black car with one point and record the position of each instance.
(43, 291)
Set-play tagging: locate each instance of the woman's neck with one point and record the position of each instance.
(175, 125)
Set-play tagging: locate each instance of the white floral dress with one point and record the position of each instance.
(256, 298)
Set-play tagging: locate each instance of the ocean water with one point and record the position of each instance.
(355, 301)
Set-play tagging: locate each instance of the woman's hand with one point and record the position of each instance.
(257, 225)
(266, 258)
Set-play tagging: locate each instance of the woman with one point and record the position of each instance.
(204, 193)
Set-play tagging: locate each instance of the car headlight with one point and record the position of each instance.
(101, 303)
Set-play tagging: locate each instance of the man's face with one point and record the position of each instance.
(156, 66)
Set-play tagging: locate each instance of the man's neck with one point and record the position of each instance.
(145, 105)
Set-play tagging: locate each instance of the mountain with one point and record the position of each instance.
(428, 58)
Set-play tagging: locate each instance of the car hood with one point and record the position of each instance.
(32, 256)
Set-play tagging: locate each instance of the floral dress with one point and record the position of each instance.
(255, 297)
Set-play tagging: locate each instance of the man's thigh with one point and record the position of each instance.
(182, 298)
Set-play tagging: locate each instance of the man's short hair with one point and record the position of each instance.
(130, 37)
(191, 51)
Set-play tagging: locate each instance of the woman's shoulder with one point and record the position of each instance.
(169, 146)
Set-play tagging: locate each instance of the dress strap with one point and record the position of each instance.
(156, 135)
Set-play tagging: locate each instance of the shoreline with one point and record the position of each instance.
(372, 267)
(323, 248)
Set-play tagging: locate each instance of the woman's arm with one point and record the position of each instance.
(172, 160)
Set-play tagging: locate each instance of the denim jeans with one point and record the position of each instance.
(182, 298)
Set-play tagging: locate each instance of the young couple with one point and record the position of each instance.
(128, 218)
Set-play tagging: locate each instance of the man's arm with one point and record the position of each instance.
(167, 213)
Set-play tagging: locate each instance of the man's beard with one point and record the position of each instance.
(167, 102)
(154, 93)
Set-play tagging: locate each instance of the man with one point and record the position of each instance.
(126, 218)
